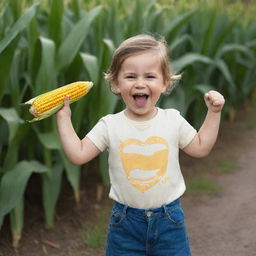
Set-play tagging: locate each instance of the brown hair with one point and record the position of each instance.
(140, 43)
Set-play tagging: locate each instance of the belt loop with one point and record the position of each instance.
(125, 209)
(165, 209)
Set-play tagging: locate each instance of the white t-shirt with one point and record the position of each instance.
(143, 159)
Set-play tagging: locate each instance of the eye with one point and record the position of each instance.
(150, 76)
(129, 77)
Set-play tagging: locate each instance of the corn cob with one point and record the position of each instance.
(49, 103)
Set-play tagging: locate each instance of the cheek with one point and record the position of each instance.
(157, 91)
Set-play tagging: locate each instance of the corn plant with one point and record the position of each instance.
(211, 58)
(47, 44)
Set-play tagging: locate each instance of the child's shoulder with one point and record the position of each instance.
(115, 116)
(171, 115)
(170, 111)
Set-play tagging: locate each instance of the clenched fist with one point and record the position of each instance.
(214, 101)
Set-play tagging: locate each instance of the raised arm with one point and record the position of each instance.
(77, 151)
(206, 137)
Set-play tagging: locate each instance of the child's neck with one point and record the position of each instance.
(140, 118)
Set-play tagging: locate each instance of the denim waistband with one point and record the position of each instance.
(135, 211)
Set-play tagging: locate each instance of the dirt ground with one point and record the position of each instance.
(224, 224)
(220, 223)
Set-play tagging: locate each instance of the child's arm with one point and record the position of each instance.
(206, 137)
(77, 151)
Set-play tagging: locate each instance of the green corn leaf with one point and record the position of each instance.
(204, 88)
(12, 152)
(73, 175)
(17, 222)
(13, 80)
(251, 44)
(46, 79)
(222, 37)
(70, 46)
(34, 52)
(189, 59)
(21, 24)
(103, 168)
(17, 132)
(55, 21)
(109, 44)
(91, 64)
(75, 7)
(176, 24)
(180, 41)
(155, 18)
(111, 23)
(207, 37)
(227, 48)
(249, 81)
(13, 184)
(108, 48)
(222, 66)
(51, 191)
(52, 179)
(49, 140)
(108, 99)
(79, 113)
(178, 100)
(6, 58)
(134, 20)
(13, 120)
(16, 7)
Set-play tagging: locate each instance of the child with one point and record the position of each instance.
(143, 143)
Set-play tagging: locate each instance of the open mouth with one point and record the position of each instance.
(140, 99)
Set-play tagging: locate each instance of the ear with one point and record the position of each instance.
(115, 89)
(165, 86)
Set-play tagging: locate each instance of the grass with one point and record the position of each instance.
(94, 234)
(226, 165)
(202, 184)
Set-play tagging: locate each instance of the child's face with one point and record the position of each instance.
(140, 83)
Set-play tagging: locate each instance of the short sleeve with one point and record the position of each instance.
(186, 133)
(98, 135)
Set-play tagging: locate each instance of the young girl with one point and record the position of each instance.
(143, 143)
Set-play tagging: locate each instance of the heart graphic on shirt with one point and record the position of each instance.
(145, 163)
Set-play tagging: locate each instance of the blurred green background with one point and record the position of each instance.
(50, 43)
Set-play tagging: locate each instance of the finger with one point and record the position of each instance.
(216, 103)
(207, 96)
(66, 100)
(219, 101)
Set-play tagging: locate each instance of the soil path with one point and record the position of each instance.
(225, 224)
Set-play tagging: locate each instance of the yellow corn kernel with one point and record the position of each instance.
(49, 103)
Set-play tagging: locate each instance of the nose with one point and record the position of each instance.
(140, 83)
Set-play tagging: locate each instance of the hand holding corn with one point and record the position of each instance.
(49, 103)
(214, 101)
(65, 111)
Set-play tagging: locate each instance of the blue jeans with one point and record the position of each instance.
(152, 232)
